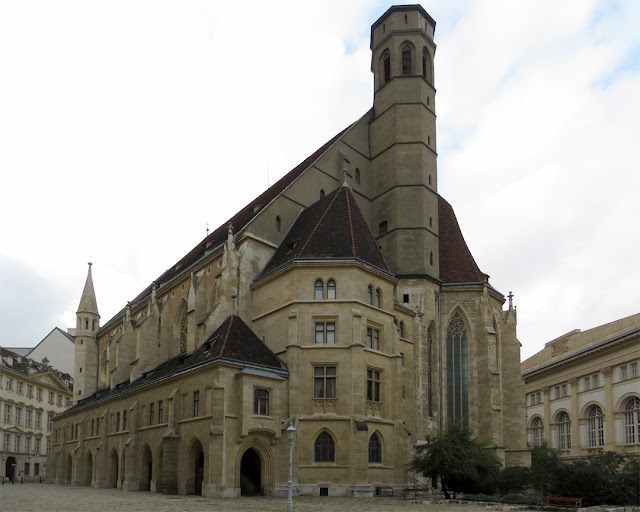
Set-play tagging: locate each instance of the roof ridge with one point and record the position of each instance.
(226, 336)
(353, 241)
(315, 228)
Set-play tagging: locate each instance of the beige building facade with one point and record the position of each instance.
(583, 390)
(31, 394)
(343, 300)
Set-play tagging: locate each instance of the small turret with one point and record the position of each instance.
(86, 350)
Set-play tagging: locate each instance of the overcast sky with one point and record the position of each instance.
(127, 126)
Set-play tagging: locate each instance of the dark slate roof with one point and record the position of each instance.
(239, 220)
(22, 364)
(233, 341)
(456, 262)
(333, 227)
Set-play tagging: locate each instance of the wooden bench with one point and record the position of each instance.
(558, 502)
(382, 489)
(414, 492)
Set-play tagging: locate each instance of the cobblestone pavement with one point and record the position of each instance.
(35, 497)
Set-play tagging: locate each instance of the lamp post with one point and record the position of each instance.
(291, 433)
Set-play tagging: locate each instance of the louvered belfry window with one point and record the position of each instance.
(406, 60)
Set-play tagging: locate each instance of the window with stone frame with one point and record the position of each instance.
(375, 449)
(634, 370)
(378, 297)
(151, 413)
(9, 384)
(632, 421)
(331, 289)
(7, 443)
(18, 415)
(457, 371)
(595, 427)
(318, 293)
(564, 431)
(324, 448)
(17, 443)
(19, 386)
(160, 411)
(27, 417)
(36, 446)
(7, 413)
(324, 382)
(538, 432)
(325, 333)
(374, 382)
(184, 326)
(373, 338)
(386, 66)
(370, 294)
(196, 404)
(38, 419)
(27, 444)
(406, 60)
(30, 390)
(261, 402)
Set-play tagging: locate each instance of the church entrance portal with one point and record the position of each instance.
(196, 469)
(10, 469)
(250, 473)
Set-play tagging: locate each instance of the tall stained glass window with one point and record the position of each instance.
(457, 371)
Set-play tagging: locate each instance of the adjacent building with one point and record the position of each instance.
(31, 394)
(343, 301)
(583, 390)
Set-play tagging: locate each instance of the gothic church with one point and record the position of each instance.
(343, 300)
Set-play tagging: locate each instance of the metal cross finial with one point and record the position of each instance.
(510, 300)
(207, 229)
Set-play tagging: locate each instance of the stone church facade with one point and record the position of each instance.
(343, 300)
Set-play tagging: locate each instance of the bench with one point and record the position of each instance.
(414, 492)
(558, 502)
(382, 489)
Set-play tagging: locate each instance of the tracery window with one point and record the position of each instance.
(538, 432)
(375, 449)
(324, 382)
(632, 421)
(184, 325)
(595, 427)
(564, 432)
(324, 448)
(457, 371)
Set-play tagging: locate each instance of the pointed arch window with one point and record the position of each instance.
(538, 432)
(406, 60)
(319, 290)
(324, 448)
(595, 427)
(184, 326)
(370, 294)
(375, 449)
(564, 432)
(401, 329)
(358, 176)
(457, 371)
(386, 64)
(632, 421)
(378, 297)
(331, 289)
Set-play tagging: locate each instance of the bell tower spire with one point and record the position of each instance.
(86, 349)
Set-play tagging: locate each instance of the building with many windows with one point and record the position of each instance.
(583, 390)
(31, 395)
(343, 301)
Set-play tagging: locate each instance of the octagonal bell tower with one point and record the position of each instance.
(403, 141)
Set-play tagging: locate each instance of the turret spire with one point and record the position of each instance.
(88, 303)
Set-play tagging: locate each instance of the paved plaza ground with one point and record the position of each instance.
(33, 497)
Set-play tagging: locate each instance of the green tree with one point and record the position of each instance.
(545, 467)
(461, 462)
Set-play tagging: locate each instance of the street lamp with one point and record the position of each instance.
(291, 432)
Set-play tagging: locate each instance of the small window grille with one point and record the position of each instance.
(406, 60)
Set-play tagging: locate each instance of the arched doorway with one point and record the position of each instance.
(195, 468)
(146, 471)
(89, 473)
(10, 468)
(69, 469)
(250, 484)
(113, 469)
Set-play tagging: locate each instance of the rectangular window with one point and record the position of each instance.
(124, 420)
(595, 381)
(26, 469)
(76, 434)
(36, 469)
(50, 397)
(39, 393)
(557, 390)
(373, 338)
(532, 399)
(564, 390)
(196, 404)
(27, 445)
(9, 385)
(634, 370)
(7, 413)
(93, 424)
(97, 426)
(538, 398)
(373, 385)
(36, 446)
(623, 372)
(261, 402)
(19, 387)
(7, 442)
(27, 418)
(18, 415)
(324, 382)
(50, 417)
(160, 411)
(117, 422)
(587, 383)
(151, 414)
(59, 402)
(29, 390)
(325, 332)
(38, 419)
(17, 443)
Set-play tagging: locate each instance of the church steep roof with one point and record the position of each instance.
(456, 262)
(332, 228)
